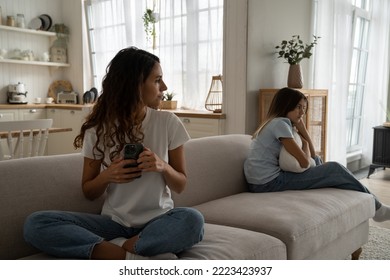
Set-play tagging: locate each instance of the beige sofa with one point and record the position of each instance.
(312, 224)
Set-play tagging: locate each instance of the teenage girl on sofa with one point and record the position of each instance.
(138, 219)
(262, 168)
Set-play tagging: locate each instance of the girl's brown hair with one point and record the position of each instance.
(118, 112)
(284, 101)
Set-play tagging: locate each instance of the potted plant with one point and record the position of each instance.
(168, 102)
(150, 18)
(293, 51)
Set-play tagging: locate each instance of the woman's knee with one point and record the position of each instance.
(193, 220)
(35, 222)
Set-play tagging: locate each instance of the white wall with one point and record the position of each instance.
(72, 13)
(252, 30)
(270, 22)
(235, 65)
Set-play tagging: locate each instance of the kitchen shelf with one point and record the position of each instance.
(28, 31)
(39, 63)
(33, 32)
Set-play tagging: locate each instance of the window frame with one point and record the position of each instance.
(357, 83)
(179, 80)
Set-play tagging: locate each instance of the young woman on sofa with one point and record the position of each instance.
(138, 219)
(263, 166)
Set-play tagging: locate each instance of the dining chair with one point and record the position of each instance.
(24, 138)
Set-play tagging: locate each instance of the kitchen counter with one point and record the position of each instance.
(45, 106)
(197, 114)
(178, 112)
(197, 123)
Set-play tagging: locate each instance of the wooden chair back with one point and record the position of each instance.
(25, 138)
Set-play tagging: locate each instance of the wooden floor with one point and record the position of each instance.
(379, 184)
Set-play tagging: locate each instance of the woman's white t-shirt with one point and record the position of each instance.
(134, 204)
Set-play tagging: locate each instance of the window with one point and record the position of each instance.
(357, 79)
(188, 41)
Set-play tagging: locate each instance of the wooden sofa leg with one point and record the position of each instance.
(356, 255)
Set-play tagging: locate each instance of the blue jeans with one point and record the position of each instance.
(327, 175)
(74, 235)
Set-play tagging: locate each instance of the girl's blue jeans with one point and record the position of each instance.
(74, 235)
(327, 175)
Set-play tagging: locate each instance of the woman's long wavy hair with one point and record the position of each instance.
(118, 113)
(284, 101)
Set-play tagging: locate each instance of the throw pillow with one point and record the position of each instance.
(288, 162)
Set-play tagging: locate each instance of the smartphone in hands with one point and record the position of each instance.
(132, 151)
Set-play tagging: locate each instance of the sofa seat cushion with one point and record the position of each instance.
(224, 243)
(228, 243)
(305, 221)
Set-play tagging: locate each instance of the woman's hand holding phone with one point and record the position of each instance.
(131, 155)
(150, 162)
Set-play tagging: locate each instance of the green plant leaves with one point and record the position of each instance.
(294, 50)
(149, 20)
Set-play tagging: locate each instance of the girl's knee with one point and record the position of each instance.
(333, 165)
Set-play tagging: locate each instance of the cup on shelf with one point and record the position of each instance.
(49, 100)
(37, 100)
(11, 21)
(3, 53)
(45, 57)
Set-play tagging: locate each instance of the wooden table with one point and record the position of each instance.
(4, 134)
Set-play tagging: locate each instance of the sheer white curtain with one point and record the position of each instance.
(188, 42)
(190, 47)
(112, 26)
(377, 79)
(334, 25)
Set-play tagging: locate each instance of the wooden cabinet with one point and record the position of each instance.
(32, 114)
(316, 115)
(202, 127)
(62, 143)
(201, 123)
(9, 115)
(22, 114)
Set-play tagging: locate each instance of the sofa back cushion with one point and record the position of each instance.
(214, 168)
(39, 183)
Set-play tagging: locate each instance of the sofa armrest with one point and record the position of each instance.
(38, 183)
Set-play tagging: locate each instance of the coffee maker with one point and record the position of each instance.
(17, 94)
